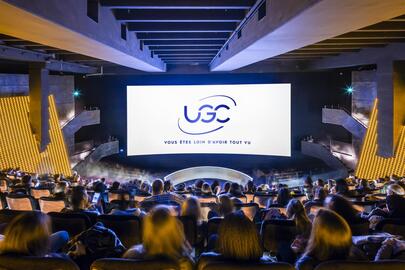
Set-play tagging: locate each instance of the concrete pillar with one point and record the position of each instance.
(391, 109)
(39, 106)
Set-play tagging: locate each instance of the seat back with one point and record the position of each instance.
(8, 262)
(20, 202)
(140, 198)
(213, 225)
(125, 264)
(360, 265)
(127, 228)
(262, 200)
(211, 199)
(73, 223)
(206, 208)
(47, 204)
(112, 196)
(361, 227)
(249, 209)
(392, 226)
(7, 215)
(276, 231)
(190, 229)
(40, 192)
(249, 197)
(216, 262)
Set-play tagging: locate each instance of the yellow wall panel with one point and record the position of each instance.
(18, 147)
(372, 166)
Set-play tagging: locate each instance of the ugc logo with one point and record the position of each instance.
(207, 115)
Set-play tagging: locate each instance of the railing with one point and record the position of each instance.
(77, 114)
(339, 107)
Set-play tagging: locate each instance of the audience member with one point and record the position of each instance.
(159, 197)
(343, 207)
(191, 207)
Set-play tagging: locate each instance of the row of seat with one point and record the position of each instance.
(204, 263)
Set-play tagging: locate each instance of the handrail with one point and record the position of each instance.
(339, 107)
(76, 115)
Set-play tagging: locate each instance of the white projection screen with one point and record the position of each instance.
(249, 119)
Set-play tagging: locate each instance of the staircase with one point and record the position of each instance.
(84, 118)
(323, 153)
(82, 160)
(340, 116)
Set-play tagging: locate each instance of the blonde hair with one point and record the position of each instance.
(163, 234)
(191, 207)
(238, 238)
(331, 237)
(27, 234)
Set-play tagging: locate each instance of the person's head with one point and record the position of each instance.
(167, 186)
(115, 185)
(235, 189)
(227, 187)
(320, 194)
(26, 180)
(145, 187)
(296, 211)
(198, 184)
(191, 207)
(226, 205)
(331, 237)
(163, 234)
(27, 234)
(320, 183)
(283, 196)
(79, 198)
(214, 185)
(206, 188)
(341, 186)
(342, 206)
(308, 182)
(395, 189)
(157, 187)
(238, 239)
(363, 183)
(60, 187)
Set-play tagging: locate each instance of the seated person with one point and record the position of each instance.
(115, 186)
(163, 237)
(191, 207)
(225, 207)
(122, 207)
(391, 249)
(343, 207)
(59, 191)
(283, 197)
(29, 235)
(330, 239)
(395, 204)
(235, 190)
(296, 211)
(238, 240)
(206, 190)
(159, 197)
(363, 187)
(79, 202)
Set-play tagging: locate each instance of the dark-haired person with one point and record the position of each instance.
(226, 187)
(206, 190)
(395, 204)
(215, 187)
(29, 235)
(225, 207)
(283, 197)
(343, 207)
(79, 202)
(331, 239)
(123, 207)
(115, 186)
(238, 240)
(308, 188)
(341, 187)
(162, 237)
(159, 196)
(363, 187)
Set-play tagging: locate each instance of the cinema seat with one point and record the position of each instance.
(392, 226)
(351, 265)
(34, 263)
(48, 204)
(127, 228)
(125, 264)
(249, 209)
(276, 231)
(212, 261)
(20, 202)
(73, 223)
(206, 208)
(7, 215)
(360, 227)
(208, 199)
(190, 229)
(262, 199)
(115, 195)
(40, 192)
